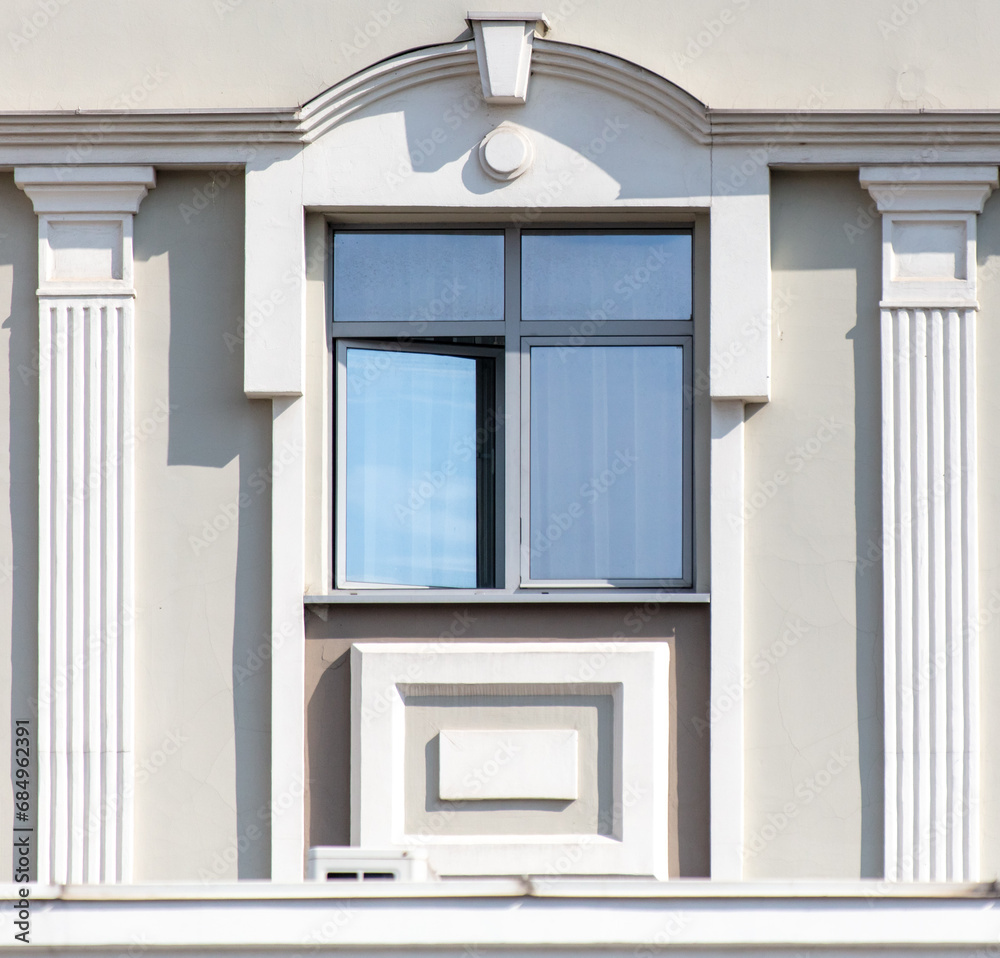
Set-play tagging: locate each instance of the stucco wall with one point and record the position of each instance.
(202, 546)
(127, 54)
(813, 503)
(21, 362)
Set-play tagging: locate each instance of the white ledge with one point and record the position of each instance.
(450, 596)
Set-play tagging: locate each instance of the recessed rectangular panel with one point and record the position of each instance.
(485, 764)
(84, 251)
(929, 250)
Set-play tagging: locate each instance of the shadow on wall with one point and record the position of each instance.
(810, 233)
(207, 593)
(19, 555)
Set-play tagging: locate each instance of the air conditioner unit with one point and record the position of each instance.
(340, 863)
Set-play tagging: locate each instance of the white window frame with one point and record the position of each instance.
(512, 513)
(340, 446)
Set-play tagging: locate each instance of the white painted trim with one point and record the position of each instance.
(727, 670)
(930, 520)
(622, 918)
(634, 674)
(740, 308)
(86, 563)
(288, 704)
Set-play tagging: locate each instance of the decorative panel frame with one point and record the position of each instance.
(634, 674)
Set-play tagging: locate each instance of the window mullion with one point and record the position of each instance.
(511, 535)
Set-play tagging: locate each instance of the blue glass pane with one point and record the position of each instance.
(607, 462)
(605, 276)
(417, 277)
(411, 468)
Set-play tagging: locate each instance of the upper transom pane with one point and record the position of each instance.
(599, 276)
(417, 277)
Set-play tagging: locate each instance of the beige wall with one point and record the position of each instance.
(328, 695)
(769, 54)
(813, 503)
(202, 546)
(18, 484)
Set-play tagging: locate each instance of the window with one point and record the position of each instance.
(513, 408)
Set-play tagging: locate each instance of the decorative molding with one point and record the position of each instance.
(726, 736)
(599, 70)
(85, 523)
(503, 50)
(506, 152)
(929, 517)
(630, 834)
(520, 917)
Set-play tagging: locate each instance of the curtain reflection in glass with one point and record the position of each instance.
(605, 276)
(607, 451)
(411, 477)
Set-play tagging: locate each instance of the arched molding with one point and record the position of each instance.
(602, 71)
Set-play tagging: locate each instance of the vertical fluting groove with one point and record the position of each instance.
(936, 684)
(922, 596)
(94, 337)
(954, 518)
(902, 531)
(77, 560)
(109, 509)
(931, 594)
(890, 553)
(970, 634)
(59, 678)
(125, 435)
(46, 557)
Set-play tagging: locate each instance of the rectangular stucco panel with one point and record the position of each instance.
(202, 545)
(328, 695)
(813, 504)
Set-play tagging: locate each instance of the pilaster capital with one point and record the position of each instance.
(85, 189)
(929, 232)
(85, 225)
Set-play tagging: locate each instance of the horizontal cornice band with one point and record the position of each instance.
(83, 132)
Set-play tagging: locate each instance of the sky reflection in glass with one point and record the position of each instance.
(411, 469)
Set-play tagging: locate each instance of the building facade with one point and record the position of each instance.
(494, 480)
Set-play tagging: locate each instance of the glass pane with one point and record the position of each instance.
(605, 276)
(607, 462)
(417, 277)
(411, 469)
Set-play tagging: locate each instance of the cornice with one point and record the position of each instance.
(83, 130)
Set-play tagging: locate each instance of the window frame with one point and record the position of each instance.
(483, 532)
(686, 343)
(512, 514)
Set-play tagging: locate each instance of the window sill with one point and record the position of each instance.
(496, 596)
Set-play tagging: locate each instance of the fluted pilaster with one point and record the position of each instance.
(85, 520)
(929, 517)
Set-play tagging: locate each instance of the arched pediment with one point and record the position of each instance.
(581, 65)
